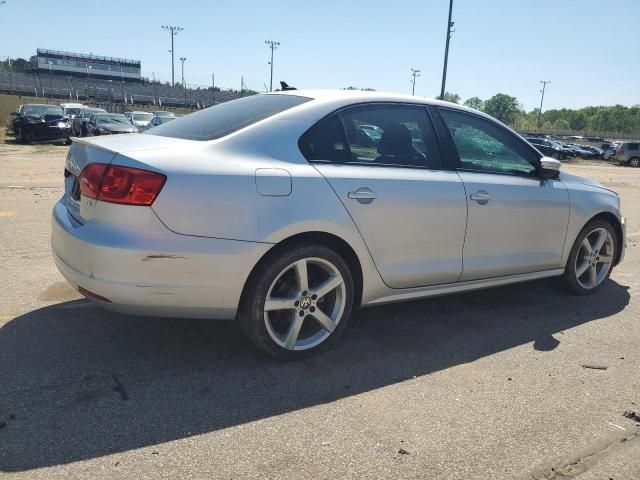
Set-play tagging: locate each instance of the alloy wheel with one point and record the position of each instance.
(594, 258)
(304, 304)
(634, 162)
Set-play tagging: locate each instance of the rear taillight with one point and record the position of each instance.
(116, 184)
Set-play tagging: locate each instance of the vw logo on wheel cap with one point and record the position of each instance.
(305, 302)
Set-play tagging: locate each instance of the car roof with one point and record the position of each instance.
(343, 98)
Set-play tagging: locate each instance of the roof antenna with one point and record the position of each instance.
(284, 86)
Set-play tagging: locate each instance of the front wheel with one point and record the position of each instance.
(591, 258)
(298, 302)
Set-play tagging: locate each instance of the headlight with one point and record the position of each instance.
(63, 125)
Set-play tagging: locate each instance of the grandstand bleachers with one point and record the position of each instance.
(109, 91)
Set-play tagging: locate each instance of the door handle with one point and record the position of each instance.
(481, 197)
(364, 194)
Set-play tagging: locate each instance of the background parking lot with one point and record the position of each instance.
(489, 384)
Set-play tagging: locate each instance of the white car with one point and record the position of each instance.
(273, 210)
(139, 119)
(72, 109)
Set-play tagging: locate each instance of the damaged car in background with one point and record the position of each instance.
(39, 123)
(110, 124)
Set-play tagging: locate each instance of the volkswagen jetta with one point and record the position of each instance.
(276, 211)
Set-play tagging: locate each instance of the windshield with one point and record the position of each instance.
(115, 118)
(228, 117)
(72, 111)
(164, 114)
(43, 110)
(142, 117)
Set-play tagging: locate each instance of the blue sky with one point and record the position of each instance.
(589, 49)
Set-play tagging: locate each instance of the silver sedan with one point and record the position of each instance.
(285, 211)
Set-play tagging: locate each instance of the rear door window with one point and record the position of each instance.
(374, 135)
(226, 118)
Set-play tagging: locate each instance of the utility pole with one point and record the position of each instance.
(173, 31)
(544, 86)
(414, 73)
(272, 45)
(450, 30)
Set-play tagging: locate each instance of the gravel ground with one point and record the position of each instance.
(474, 386)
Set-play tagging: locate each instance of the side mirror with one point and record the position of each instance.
(549, 167)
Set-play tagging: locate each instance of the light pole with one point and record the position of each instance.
(414, 73)
(446, 51)
(88, 67)
(173, 31)
(50, 80)
(272, 45)
(183, 59)
(544, 86)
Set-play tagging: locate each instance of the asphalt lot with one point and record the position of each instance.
(473, 386)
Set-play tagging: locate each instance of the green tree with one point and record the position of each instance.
(474, 102)
(450, 97)
(578, 122)
(503, 107)
(547, 126)
(561, 125)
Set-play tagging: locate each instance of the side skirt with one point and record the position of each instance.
(435, 290)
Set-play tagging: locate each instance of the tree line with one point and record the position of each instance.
(507, 109)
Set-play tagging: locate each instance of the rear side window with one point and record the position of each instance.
(325, 142)
(633, 146)
(374, 135)
(226, 118)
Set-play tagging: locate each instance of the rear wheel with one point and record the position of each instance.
(591, 258)
(298, 302)
(634, 162)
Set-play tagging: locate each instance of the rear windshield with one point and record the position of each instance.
(225, 118)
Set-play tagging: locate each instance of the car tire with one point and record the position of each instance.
(18, 136)
(589, 266)
(291, 318)
(634, 162)
(557, 156)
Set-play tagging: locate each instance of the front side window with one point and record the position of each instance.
(634, 146)
(228, 117)
(485, 147)
(375, 135)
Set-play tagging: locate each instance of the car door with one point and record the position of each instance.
(410, 212)
(517, 221)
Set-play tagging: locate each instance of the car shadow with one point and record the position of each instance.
(78, 382)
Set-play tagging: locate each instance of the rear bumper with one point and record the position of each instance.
(150, 270)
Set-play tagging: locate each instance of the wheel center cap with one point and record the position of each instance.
(305, 302)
